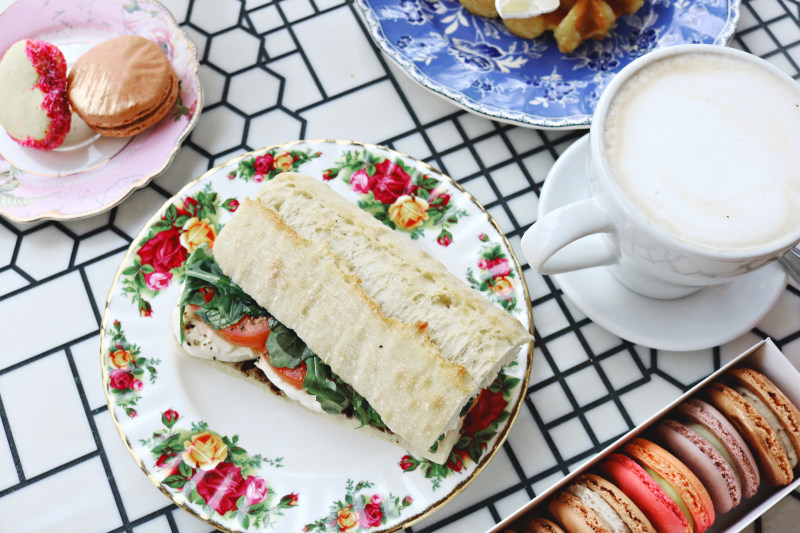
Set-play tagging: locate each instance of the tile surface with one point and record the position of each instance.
(275, 71)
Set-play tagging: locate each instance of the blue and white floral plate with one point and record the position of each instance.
(479, 65)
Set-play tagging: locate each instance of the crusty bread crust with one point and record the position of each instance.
(252, 374)
(310, 289)
(406, 283)
(256, 377)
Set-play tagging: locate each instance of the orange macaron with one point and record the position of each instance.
(122, 86)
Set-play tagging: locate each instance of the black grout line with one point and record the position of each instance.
(12, 446)
(647, 363)
(101, 452)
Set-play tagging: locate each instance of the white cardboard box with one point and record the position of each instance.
(764, 357)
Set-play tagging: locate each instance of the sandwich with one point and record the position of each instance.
(417, 346)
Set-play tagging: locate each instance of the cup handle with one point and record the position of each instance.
(545, 243)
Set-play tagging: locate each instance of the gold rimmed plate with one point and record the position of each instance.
(88, 173)
(241, 459)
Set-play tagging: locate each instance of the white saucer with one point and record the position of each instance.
(707, 318)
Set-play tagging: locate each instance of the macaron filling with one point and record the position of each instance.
(712, 439)
(602, 509)
(773, 421)
(673, 494)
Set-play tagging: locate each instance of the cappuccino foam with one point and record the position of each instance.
(708, 148)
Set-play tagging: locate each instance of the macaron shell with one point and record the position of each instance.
(574, 516)
(660, 510)
(755, 430)
(666, 465)
(34, 109)
(142, 123)
(705, 414)
(716, 475)
(542, 525)
(628, 511)
(773, 397)
(122, 82)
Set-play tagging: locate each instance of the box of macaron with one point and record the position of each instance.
(713, 460)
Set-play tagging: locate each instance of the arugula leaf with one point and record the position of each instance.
(363, 411)
(286, 349)
(229, 302)
(318, 382)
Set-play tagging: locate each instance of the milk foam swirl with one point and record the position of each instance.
(708, 148)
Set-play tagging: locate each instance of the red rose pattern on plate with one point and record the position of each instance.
(211, 474)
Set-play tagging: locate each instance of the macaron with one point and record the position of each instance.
(705, 420)
(767, 420)
(122, 86)
(592, 504)
(715, 473)
(662, 511)
(542, 525)
(34, 109)
(678, 481)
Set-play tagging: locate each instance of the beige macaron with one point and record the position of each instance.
(122, 86)
(767, 420)
(592, 504)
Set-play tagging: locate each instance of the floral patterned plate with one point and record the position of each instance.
(241, 459)
(479, 65)
(88, 173)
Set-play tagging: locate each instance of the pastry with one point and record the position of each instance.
(704, 419)
(122, 86)
(717, 475)
(765, 417)
(542, 525)
(572, 21)
(662, 511)
(687, 490)
(592, 504)
(34, 109)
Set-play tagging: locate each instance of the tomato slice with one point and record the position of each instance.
(292, 376)
(249, 332)
(207, 292)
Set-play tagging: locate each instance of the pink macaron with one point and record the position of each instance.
(678, 481)
(34, 109)
(704, 419)
(662, 511)
(717, 475)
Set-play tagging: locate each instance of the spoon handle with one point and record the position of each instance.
(791, 263)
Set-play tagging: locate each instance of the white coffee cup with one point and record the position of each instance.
(693, 172)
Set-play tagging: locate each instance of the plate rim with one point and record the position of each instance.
(177, 143)
(514, 117)
(488, 455)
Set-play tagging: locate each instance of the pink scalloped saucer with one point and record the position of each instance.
(88, 173)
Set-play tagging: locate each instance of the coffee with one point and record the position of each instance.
(707, 147)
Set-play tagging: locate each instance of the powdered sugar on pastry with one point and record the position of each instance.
(509, 9)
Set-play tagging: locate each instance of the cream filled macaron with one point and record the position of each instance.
(765, 417)
(34, 109)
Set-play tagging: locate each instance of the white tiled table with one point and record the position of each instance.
(62, 464)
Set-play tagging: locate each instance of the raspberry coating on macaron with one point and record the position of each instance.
(36, 115)
(51, 66)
